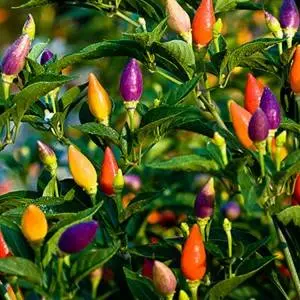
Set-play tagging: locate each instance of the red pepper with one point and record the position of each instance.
(253, 92)
(4, 251)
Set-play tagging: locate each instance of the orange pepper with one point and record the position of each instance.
(203, 22)
(34, 224)
(294, 72)
(82, 170)
(240, 119)
(98, 100)
(253, 92)
(193, 257)
(109, 170)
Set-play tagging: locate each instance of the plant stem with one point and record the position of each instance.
(60, 264)
(6, 91)
(127, 19)
(193, 286)
(289, 259)
(216, 43)
(170, 297)
(261, 146)
(169, 77)
(280, 48)
(202, 222)
(227, 229)
(131, 119)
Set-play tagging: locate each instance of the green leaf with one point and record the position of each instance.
(18, 195)
(290, 214)
(37, 50)
(89, 261)
(225, 5)
(223, 288)
(21, 267)
(186, 163)
(50, 188)
(140, 287)
(291, 125)
(35, 3)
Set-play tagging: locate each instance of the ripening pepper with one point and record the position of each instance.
(131, 84)
(47, 156)
(203, 22)
(82, 170)
(178, 20)
(98, 100)
(273, 25)
(294, 72)
(271, 108)
(240, 120)
(231, 210)
(253, 92)
(183, 295)
(34, 224)
(164, 279)
(13, 60)
(109, 170)
(193, 257)
(289, 18)
(147, 269)
(258, 129)
(4, 251)
(296, 193)
(29, 27)
(46, 57)
(204, 203)
(77, 237)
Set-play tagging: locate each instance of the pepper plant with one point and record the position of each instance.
(174, 190)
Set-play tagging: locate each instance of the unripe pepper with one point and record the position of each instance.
(253, 92)
(34, 224)
(178, 20)
(273, 25)
(109, 170)
(204, 203)
(46, 56)
(193, 257)
(98, 100)
(4, 251)
(294, 72)
(240, 120)
(77, 237)
(82, 170)
(271, 108)
(29, 27)
(13, 60)
(131, 84)
(203, 22)
(47, 156)
(164, 279)
(258, 126)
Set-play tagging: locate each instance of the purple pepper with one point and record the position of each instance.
(289, 15)
(13, 60)
(77, 237)
(204, 203)
(131, 83)
(258, 128)
(46, 56)
(231, 210)
(133, 182)
(271, 108)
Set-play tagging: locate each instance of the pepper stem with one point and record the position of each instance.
(193, 287)
(131, 119)
(270, 139)
(261, 146)
(202, 222)
(227, 228)
(170, 297)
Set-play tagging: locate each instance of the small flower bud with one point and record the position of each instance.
(231, 210)
(204, 203)
(13, 60)
(258, 126)
(227, 225)
(164, 279)
(47, 156)
(273, 25)
(29, 27)
(77, 237)
(34, 224)
(46, 56)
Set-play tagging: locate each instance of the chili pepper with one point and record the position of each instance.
(119, 182)
(164, 279)
(231, 210)
(289, 19)
(46, 57)
(253, 92)
(271, 108)
(34, 224)
(131, 84)
(294, 72)
(240, 120)
(183, 295)
(109, 170)
(296, 193)
(133, 182)
(203, 22)
(29, 27)
(258, 126)
(98, 100)
(77, 237)
(193, 257)
(273, 25)
(147, 269)
(95, 278)
(13, 60)
(11, 293)
(47, 156)
(82, 170)
(204, 203)
(4, 250)
(178, 20)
